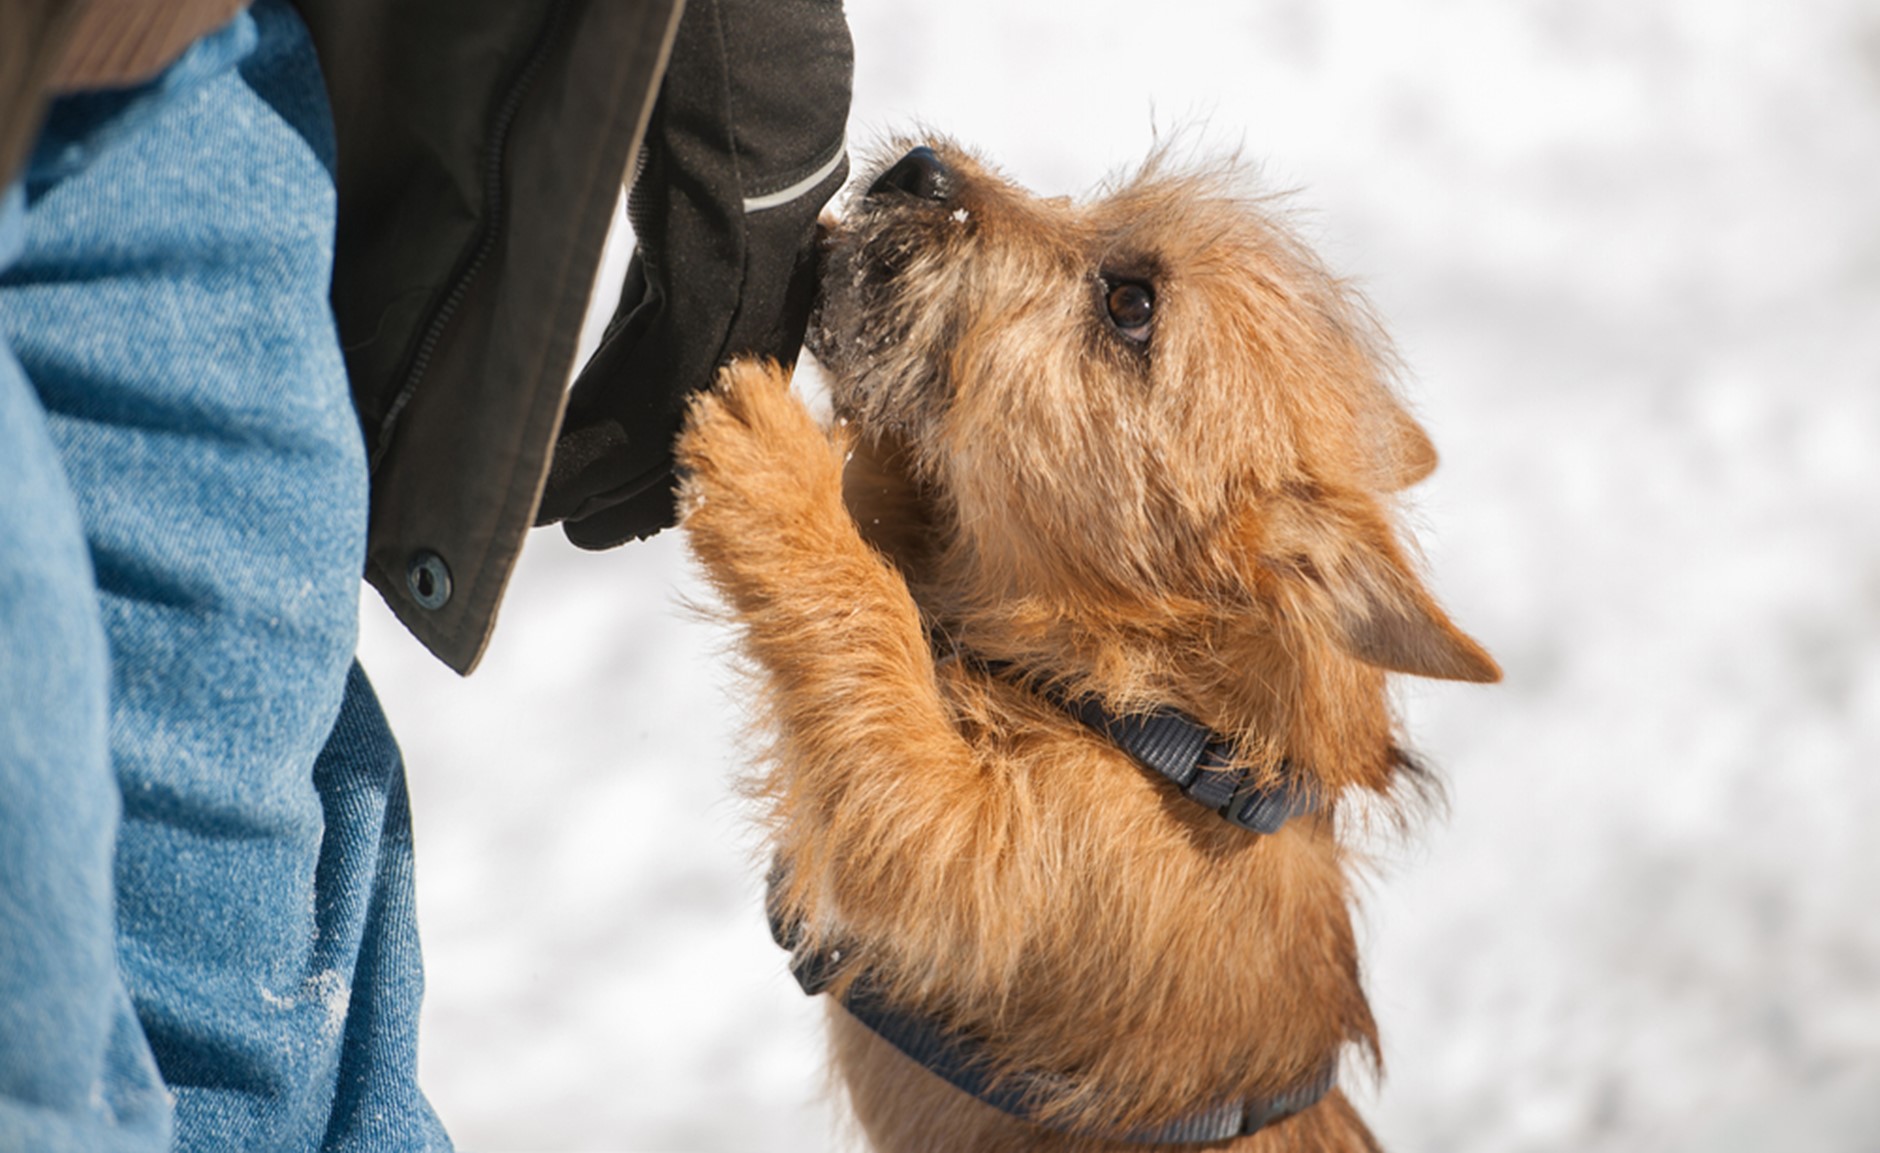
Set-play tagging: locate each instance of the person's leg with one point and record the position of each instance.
(365, 887)
(170, 310)
(75, 1073)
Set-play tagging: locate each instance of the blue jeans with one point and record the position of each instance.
(207, 937)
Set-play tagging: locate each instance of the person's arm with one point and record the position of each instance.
(33, 37)
(49, 47)
(745, 146)
(120, 43)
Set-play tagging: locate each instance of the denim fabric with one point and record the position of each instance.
(75, 1073)
(204, 843)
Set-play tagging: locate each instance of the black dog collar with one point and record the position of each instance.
(1199, 761)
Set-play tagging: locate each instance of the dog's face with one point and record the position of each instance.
(1156, 392)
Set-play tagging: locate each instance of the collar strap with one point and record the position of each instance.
(961, 1060)
(1201, 764)
(1199, 761)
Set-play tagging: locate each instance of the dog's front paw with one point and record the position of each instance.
(754, 460)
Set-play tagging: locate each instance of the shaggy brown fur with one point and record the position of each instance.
(1201, 518)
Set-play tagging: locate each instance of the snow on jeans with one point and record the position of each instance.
(206, 923)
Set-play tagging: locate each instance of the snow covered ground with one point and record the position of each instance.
(1631, 250)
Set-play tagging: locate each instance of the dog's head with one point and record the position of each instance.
(1157, 393)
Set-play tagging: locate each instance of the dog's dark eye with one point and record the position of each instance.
(1132, 308)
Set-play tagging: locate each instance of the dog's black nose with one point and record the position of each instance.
(920, 173)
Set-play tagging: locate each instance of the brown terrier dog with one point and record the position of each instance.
(1107, 478)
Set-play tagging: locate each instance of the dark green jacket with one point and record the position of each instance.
(482, 148)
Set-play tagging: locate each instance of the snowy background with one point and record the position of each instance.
(1631, 250)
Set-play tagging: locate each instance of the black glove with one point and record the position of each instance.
(744, 147)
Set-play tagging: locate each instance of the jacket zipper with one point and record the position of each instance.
(488, 233)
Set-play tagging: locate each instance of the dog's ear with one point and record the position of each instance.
(1357, 583)
(1387, 619)
(1408, 454)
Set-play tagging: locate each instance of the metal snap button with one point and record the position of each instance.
(428, 578)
